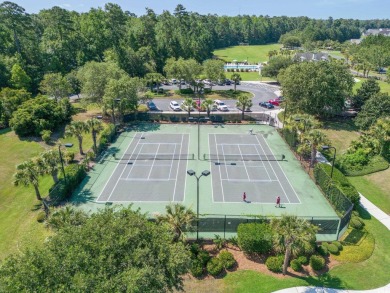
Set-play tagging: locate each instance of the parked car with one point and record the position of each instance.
(221, 82)
(266, 105)
(151, 106)
(276, 102)
(228, 82)
(158, 90)
(174, 106)
(221, 106)
(174, 81)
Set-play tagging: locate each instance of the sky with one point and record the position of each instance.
(319, 9)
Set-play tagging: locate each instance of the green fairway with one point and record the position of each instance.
(253, 54)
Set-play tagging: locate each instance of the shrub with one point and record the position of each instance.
(356, 223)
(317, 262)
(323, 250)
(275, 263)
(254, 237)
(41, 217)
(142, 108)
(227, 259)
(203, 257)
(196, 268)
(338, 244)
(233, 241)
(219, 242)
(46, 135)
(333, 249)
(214, 266)
(296, 265)
(303, 260)
(194, 248)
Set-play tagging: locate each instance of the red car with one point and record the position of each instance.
(276, 101)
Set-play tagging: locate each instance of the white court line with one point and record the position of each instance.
(250, 180)
(177, 173)
(274, 171)
(132, 166)
(220, 173)
(159, 143)
(285, 175)
(185, 168)
(246, 170)
(145, 179)
(117, 165)
(108, 199)
(224, 160)
(237, 144)
(154, 160)
(266, 170)
(170, 166)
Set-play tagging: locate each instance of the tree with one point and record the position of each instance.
(292, 235)
(19, 78)
(10, 100)
(314, 138)
(77, 129)
(65, 217)
(208, 104)
(114, 250)
(179, 219)
(381, 131)
(236, 79)
(275, 65)
(244, 102)
(55, 85)
(214, 70)
(375, 108)
(369, 88)
(154, 79)
(28, 173)
(95, 126)
(188, 104)
(316, 88)
(49, 161)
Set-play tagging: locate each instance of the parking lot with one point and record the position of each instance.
(261, 93)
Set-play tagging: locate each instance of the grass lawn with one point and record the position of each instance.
(18, 226)
(375, 187)
(253, 54)
(340, 134)
(385, 86)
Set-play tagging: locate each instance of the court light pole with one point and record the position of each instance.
(62, 162)
(193, 173)
(327, 147)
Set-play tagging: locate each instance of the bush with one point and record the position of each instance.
(214, 266)
(196, 268)
(356, 223)
(46, 135)
(195, 248)
(303, 260)
(254, 237)
(106, 136)
(375, 164)
(296, 265)
(317, 262)
(233, 241)
(275, 263)
(41, 217)
(323, 250)
(333, 249)
(204, 257)
(338, 244)
(227, 259)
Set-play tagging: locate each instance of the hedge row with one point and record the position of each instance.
(106, 136)
(375, 164)
(65, 186)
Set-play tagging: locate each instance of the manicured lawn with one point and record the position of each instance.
(18, 226)
(250, 76)
(341, 134)
(385, 86)
(253, 54)
(375, 187)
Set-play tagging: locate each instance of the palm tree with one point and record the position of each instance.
(236, 79)
(67, 216)
(381, 131)
(94, 126)
(179, 219)
(188, 105)
(292, 235)
(208, 105)
(77, 129)
(50, 161)
(314, 138)
(244, 103)
(28, 173)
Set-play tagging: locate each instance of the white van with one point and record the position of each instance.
(174, 81)
(221, 106)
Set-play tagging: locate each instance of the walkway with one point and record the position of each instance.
(376, 213)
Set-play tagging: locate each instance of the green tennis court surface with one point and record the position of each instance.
(147, 167)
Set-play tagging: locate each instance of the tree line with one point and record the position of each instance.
(57, 40)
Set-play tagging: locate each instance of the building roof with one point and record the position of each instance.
(308, 56)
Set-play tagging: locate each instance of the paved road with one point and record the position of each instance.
(261, 92)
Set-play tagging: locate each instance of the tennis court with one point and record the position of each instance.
(152, 168)
(245, 163)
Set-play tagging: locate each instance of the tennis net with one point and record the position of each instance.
(243, 157)
(147, 157)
